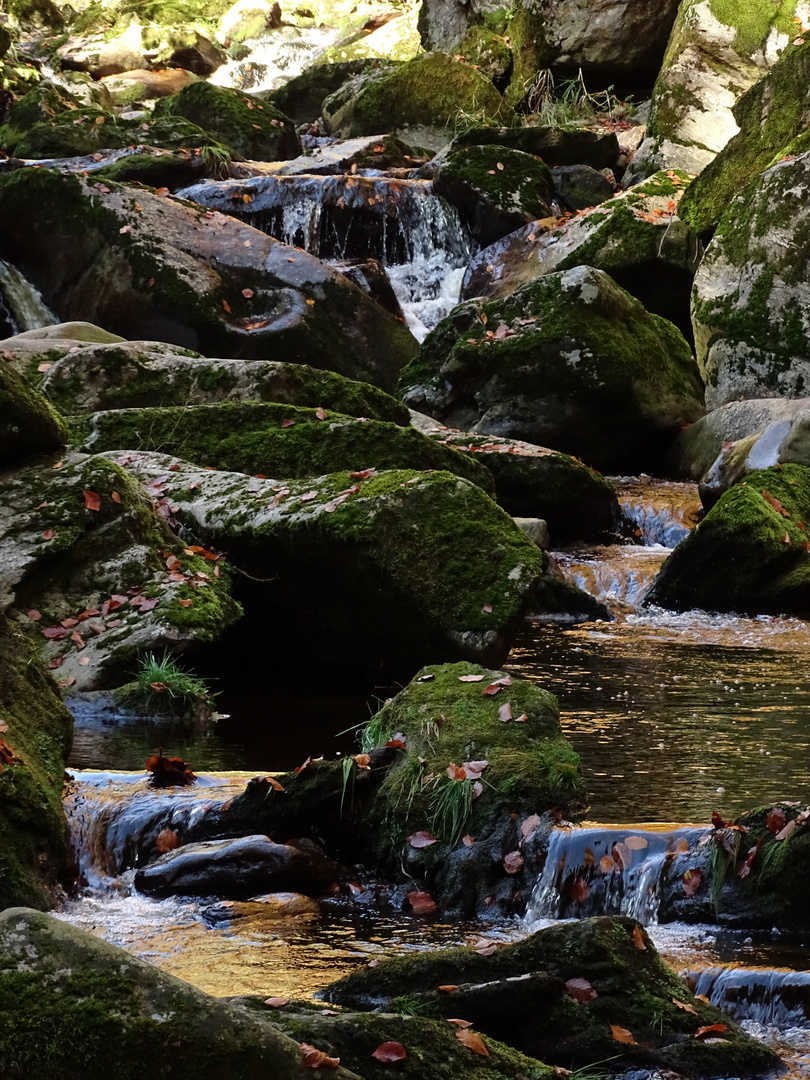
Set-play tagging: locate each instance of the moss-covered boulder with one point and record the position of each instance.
(40, 105)
(28, 423)
(36, 731)
(418, 559)
(148, 267)
(750, 552)
(29, 352)
(531, 481)
(773, 119)
(84, 549)
(717, 51)
(120, 1015)
(482, 750)
(148, 374)
(283, 441)
(569, 361)
(497, 189)
(752, 335)
(581, 187)
(254, 129)
(636, 237)
(488, 52)
(572, 995)
(85, 131)
(432, 1049)
(557, 146)
(302, 97)
(426, 96)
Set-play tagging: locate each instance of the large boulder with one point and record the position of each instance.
(773, 118)
(715, 53)
(573, 995)
(557, 146)
(569, 361)
(749, 553)
(302, 97)
(418, 559)
(274, 440)
(84, 552)
(751, 293)
(33, 352)
(120, 1016)
(148, 267)
(28, 422)
(36, 731)
(636, 237)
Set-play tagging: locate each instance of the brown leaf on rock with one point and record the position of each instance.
(636, 843)
(607, 865)
(622, 1035)
(362, 761)
(472, 1040)
(703, 1031)
(470, 678)
(776, 819)
(467, 840)
(91, 500)
(422, 903)
(505, 712)
(456, 772)
(513, 862)
(447, 988)
(683, 1005)
(581, 990)
(638, 937)
(321, 413)
(390, 1051)
(316, 1059)
(459, 1023)
(167, 840)
(34, 615)
(474, 769)
(529, 825)
(422, 839)
(691, 881)
(492, 690)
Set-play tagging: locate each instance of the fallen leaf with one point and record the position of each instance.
(470, 678)
(492, 690)
(49, 534)
(459, 1023)
(34, 615)
(166, 840)
(162, 191)
(607, 865)
(580, 890)
(474, 769)
(701, 1031)
(691, 881)
(316, 1059)
(513, 862)
(622, 1035)
(487, 609)
(390, 1051)
(226, 306)
(447, 989)
(684, 1006)
(581, 990)
(776, 820)
(473, 1041)
(287, 423)
(362, 761)
(636, 843)
(505, 712)
(529, 825)
(322, 414)
(467, 840)
(422, 903)
(277, 1002)
(247, 293)
(638, 937)
(184, 603)
(421, 839)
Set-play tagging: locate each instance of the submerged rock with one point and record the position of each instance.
(570, 361)
(120, 1015)
(151, 268)
(749, 554)
(28, 422)
(571, 995)
(36, 731)
(751, 293)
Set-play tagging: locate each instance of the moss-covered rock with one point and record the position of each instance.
(254, 129)
(555, 145)
(77, 1007)
(772, 116)
(506, 731)
(496, 188)
(520, 992)
(79, 542)
(82, 132)
(749, 554)
(28, 423)
(488, 52)
(148, 374)
(283, 441)
(36, 731)
(302, 97)
(566, 361)
(636, 237)
(418, 559)
(581, 187)
(428, 93)
(40, 105)
(149, 267)
(752, 334)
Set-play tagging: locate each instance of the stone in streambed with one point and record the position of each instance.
(240, 867)
(28, 422)
(557, 146)
(302, 97)
(522, 993)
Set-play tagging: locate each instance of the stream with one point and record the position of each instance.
(674, 715)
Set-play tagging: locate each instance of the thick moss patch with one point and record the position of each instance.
(28, 423)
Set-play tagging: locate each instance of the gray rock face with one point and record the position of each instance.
(752, 291)
(243, 867)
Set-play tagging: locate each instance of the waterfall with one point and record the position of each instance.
(23, 305)
(662, 512)
(275, 58)
(608, 871)
(777, 997)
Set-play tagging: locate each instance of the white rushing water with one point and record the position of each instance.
(275, 58)
(25, 308)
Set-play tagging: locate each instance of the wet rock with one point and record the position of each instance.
(272, 907)
(637, 238)
(415, 557)
(752, 338)
(773, 122)
(336, 159)
(193, 52)
(748, 554)
(28, 422)
(555, 145)
(389, 33)
(523, 992)
(302, 97)
(130, 86)
(715, 53)
(536, 529)
(122, 53)
(580, 186)
(482, 750)
(371, 276)
(98, 577)
(280, 440)
(497, 189)
(249, 19)
(144, 374)
(156, 269)
(36, 732)
(563, 362)
(122, 1014)
(240, 867)
(251, 128)
(535, 482)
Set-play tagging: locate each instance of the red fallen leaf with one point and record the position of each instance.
(363, 474)
(287, 423)
(521, 719)
(166, 840)
(529, 825)
(56, 662)
(690, 881)
(513, 862)
(168, 772)
(7, 755)
(456, 772)
(775, 821)
(69, 623)
(422, 903)
(184, 603)
(390, 1051)
(158, 687)
(147, 605)
(492, 690)
(607, 864)
(474, 769)
(312, 1058)
(49, 534)
(701, 1031)
(745, 869)
(162, 191)
(277, 1002)
(91, 500)
(173, 563)
(271, 780)
(581, 990)
(322, 414)
(247, 293)
(505, 712)
(421, 839)
(487, 609)
(300, 768)
(470, 678)
(398, 742)
(717, 821)
(77, 639)
(472, 1040)
(226, 306)
(622, 1035)
(467, 840)
(362, 761)
(69, 681)
(459, 1023)
(638, 937)
(448, 989)
(34, 615)
(580, 890)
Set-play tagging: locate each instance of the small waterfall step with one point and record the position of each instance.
(776, 997)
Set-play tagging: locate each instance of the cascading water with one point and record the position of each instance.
(275, 58)
(776, 997)
(415, 234)
(20, 303)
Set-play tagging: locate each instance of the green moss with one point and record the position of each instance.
(489, 51)
(516, 184)
(754, 20)
(28, 423)
(302, 97)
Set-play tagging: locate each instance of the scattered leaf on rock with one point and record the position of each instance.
(638, 937)
(622, 1035)
(691, 881)
(703, 1031)
(505, 712)
(776, 819)
(166, 840)
(317, 1059)
(513, 862)
(91, 500)
(492, 690)
(390, 1051)
(277, 1002)
(467, 840)
(581, 990)
(422, 903)
(470, 678)
(459, 1023)
(683, 1005)
(472, 1040)
(635, 843)
(448, 989)
(422, 839)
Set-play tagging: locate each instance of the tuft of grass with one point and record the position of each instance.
(451, 809)
(160, 679)
(553, 104)
(217, 160)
